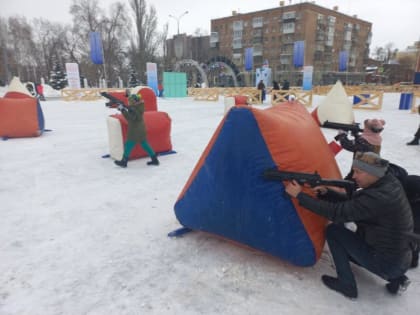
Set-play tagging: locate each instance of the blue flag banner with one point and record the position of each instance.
(343, 60)
(249, 59)
(96, 48)
(298, 53)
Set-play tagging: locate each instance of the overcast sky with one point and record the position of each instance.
(393, 21)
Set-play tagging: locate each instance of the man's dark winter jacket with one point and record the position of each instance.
(381, 212)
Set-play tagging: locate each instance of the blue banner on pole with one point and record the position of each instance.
(299, 54)
(249, 59)
(343, 60)
(96, 48)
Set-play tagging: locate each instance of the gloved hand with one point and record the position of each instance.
(341, 134)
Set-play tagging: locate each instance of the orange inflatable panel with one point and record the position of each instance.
(20, 117)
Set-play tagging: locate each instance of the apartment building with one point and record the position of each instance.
(272, 34)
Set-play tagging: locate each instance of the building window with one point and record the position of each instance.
(257, 21)
(288, 28)
(238, 25)
(289, 15)
(237, 34)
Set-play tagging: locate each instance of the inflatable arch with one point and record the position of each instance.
(233, 71)
(226, 194)
(194, 63)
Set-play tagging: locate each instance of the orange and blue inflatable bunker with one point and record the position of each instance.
(227, 195)
(20, 114)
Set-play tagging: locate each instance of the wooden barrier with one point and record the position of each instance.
(369, 100)
(206, 94)
(85, 94)
(253, 94)
(303, 97)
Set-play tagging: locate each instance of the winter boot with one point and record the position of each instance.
(415, 141)
(122, 162)
(398, 285)
(154, 161)
(335, 284)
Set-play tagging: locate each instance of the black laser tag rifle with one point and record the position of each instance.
(353, 128)
(113, 101)
(308, 178)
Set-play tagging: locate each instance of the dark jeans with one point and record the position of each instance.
(346, 246)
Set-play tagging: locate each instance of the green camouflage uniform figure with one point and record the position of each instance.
(136, 130)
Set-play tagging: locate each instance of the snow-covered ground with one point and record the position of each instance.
(79, 235)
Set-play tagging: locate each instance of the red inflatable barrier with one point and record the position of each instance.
(241, 100)
(158, 128)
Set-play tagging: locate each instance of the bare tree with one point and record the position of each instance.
(114, 29)
(145, 48)
(4, 64)
(52, 45)
(20, 37)
(385, 54)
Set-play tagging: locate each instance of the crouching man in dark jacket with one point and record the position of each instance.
(382, 214)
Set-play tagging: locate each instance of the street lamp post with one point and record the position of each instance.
(177, 18)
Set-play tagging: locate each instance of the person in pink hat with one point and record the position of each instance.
(370, 140)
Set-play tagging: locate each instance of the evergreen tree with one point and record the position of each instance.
(133, 81)
(57, 77)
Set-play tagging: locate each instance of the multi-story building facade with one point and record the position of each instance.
(183, 46)
(272, 34)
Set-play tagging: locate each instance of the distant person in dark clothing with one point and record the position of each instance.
(261, 87)
(276, 87)
(382, 214)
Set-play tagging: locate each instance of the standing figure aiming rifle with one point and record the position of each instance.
(136, 130)
(367, 139)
